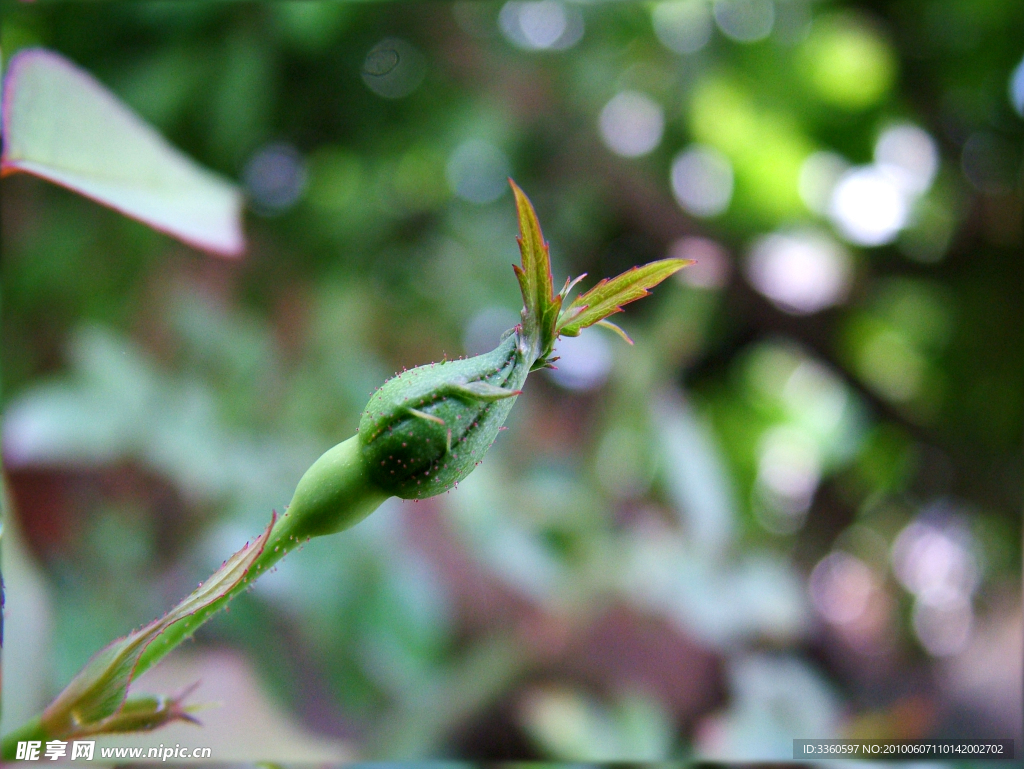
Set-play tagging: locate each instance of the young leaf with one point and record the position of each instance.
(62, 125)
(569, 285)
(97, 694)
(142, 714)
(608, 296)
(540, 305)
(616, 329)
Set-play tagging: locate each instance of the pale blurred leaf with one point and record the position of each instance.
(62, 125)
(572, 726)
(774, 700)
(28, 622)
(695, 475)
(760, 596)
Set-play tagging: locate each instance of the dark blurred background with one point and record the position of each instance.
(792, 509)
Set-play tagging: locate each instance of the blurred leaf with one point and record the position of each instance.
(775, 700)
(571, 726)
(64, 126)
(760, 596)
(696, 477)
(28, 615)
(489, 520)
(118, 405)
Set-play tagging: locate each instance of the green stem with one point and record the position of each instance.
(334, 494)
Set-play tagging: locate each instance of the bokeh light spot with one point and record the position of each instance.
(631, 124)
(1016, 88)
(702, 180)
(584, 361)
(801, 272)
(841, 585)
(335, 178)
(745, 21)
(891, 366)
(484, 329)
(788, 473)
(818, 396)
(712, 263)
(765, 147)
(537, 25)
(847, 62)
(393, 68)
(275, 178)
(909, 154)
(869, 206)
(819, 175)
(683, 26)
(477, 171)
(943, 630)
(935, 561)
(934, 558)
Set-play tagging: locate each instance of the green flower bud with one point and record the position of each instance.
(334, 494)
(427, 428)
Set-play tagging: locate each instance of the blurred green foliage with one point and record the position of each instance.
(648, 559)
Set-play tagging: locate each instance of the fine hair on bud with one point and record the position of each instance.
(424, 430)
